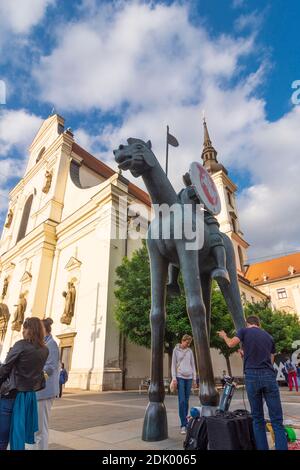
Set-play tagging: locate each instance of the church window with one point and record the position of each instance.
(42, 151)
(281, 293)
(233, 224)
(229, 196)
(25, 218)
(241, 258)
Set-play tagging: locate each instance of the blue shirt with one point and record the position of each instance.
(258, 346)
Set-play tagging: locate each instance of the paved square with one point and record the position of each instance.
(114, 420)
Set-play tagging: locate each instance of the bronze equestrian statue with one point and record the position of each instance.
(196, 267)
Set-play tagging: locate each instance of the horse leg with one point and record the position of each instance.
(231, 292)
(206, 283)
(197, 314)
(173, 288)
(155, 426)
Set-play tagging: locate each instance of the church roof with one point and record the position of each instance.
(274, 269)
(106, 171)
(209, 154)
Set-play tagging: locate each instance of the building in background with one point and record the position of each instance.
(58, 256)
(279, 278)
(229, 217)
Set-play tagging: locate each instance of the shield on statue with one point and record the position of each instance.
(205, 188)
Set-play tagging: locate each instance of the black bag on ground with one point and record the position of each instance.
(196, 434)
(230, 431)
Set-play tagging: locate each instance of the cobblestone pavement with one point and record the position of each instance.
(113, 420)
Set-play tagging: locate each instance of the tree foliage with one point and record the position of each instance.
(221, 320)
(133, 295)
(284, 327)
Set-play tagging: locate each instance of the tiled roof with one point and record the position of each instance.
(276, 268)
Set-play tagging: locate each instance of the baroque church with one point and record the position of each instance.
(58, 257)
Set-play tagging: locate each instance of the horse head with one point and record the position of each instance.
(137, 156)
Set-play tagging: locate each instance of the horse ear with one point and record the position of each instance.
(149, 145)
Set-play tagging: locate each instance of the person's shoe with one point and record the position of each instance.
(183, 430)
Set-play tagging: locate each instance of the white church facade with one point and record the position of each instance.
(58, 251)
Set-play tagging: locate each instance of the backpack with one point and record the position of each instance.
(196, 434)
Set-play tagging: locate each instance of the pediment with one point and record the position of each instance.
(73, 263)
(48, 131)
(26, 277)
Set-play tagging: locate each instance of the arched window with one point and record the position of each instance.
(40, 154)
(241, 258)
(25, 218)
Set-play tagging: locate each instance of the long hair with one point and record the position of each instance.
(35, 331)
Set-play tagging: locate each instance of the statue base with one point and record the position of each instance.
(155, 426)
(208, 410)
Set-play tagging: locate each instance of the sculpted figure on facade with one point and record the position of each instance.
(9, 218)
(48, 180)
(5, 287)
(69, 308)
(19, 313)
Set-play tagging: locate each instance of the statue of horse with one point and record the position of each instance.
(196, 267)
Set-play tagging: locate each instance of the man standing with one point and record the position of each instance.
(260, 380)
(46, 396)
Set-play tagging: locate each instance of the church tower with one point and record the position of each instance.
(228, 217)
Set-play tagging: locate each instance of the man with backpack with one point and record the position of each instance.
(292, 374)
(260, 380)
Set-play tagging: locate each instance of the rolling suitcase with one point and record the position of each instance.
(230, 431)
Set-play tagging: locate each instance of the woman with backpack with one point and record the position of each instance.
(183, 376)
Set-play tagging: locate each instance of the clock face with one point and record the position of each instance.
(205, 188)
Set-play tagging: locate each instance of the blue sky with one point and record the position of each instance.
(115, 69)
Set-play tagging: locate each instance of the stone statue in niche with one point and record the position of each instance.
(19, 313)
(9, 218)
(69, 308)
(47, 183)
(5, 287)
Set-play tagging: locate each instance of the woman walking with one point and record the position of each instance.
(183, 375)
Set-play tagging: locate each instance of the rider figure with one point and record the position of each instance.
(220, 273)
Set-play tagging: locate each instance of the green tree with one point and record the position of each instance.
(284, 327)
(133, 306)
(221, 320)
(133, 295)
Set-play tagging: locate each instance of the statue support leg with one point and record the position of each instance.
(155, 426)
(231, 292)
(197, 313)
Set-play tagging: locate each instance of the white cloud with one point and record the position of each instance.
(17, 130)
(19, 16)
(139, 55)
(150, 64)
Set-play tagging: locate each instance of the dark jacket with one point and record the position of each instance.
(23, 368)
